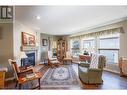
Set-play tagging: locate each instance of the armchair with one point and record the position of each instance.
(24, 75)
(91, 73)
(68, 58)
(52, 61)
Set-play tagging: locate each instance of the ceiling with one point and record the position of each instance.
(66, 20)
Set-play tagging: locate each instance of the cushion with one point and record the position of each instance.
(83, 69)
(49, 54)
(53, 59)
(94, 61)
(56, 61)
(68, 55)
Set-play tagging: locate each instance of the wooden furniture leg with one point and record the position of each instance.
(20, 86)
(39, 83)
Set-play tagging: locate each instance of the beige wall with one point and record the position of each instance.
(6, 46)
(123, 41)
(44, 49)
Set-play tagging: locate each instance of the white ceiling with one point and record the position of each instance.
(65, 20)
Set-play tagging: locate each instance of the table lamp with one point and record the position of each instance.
(22, 56)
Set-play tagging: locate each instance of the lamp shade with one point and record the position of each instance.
(22, 55)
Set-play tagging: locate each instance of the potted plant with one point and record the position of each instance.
(86, 53)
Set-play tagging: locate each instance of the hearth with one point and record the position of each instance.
(30, 60)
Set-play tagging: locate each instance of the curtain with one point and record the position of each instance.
(99, 33)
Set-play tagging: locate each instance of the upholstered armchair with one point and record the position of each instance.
(68, 58)
(91, 73)
(52, 61)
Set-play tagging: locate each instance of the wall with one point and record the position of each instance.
(6, 46)
(123, 40)
(52, 39)
(18, 28)
(49, 46)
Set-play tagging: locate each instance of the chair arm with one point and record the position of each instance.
(84, 64)
(25, 72)
(94, 70)
(53, 59)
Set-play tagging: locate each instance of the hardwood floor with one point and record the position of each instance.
(111, 81)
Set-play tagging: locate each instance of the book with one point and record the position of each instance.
(30, 75)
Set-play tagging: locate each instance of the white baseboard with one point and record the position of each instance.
(111, 71)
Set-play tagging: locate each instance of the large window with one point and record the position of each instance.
(109, 46)
(88, 43)
(75, 47)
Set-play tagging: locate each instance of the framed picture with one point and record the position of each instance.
(44, 42)
(6, 12)
(28, 39)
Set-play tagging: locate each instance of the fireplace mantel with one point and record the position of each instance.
(29, 48)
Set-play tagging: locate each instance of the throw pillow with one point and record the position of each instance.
(94, 61)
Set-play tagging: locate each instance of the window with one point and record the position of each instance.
(112, 42)
(75, 47)
(88, 44)
(109, 46)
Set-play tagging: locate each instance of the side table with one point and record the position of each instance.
(2, 77)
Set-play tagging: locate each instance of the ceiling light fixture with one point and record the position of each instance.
(38, 17)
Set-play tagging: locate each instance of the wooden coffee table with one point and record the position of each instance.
(37, 76)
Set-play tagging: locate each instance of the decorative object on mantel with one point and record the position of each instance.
(44, 42)
(22, 56)
(6, 12)
(28, 39)
(2, 77)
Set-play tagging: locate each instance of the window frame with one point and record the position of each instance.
(89, 40)
(117, 49)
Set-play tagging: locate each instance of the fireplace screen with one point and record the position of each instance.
(30, 60)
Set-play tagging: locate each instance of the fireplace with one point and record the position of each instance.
(30, 60)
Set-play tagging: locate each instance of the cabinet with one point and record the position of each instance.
(2, 77)
(123, 66)
(61, 49)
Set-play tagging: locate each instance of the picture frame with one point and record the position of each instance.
(28, 39)
(44, 42)
(6, 12)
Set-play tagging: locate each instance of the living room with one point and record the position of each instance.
(35, 36)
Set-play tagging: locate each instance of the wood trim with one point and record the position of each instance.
(108, 38)
(107, 49)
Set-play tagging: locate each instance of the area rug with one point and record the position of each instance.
(60, 77)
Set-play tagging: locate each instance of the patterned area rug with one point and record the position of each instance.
(62, 76)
